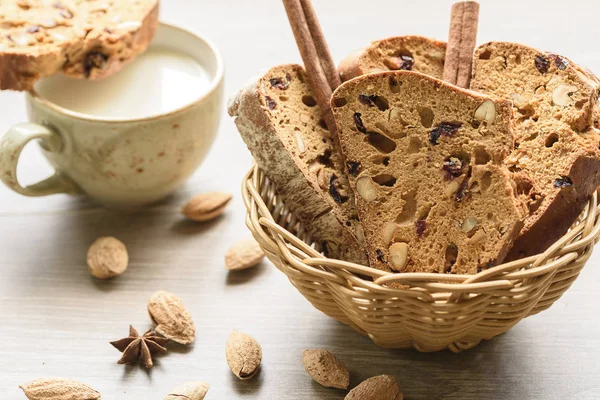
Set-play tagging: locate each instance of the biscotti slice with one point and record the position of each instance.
(282, 125)
(427, 169)
(554, 106)
(408, 53)
(82, 38)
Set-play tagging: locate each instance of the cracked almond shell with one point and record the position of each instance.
(206, 206)
(244, 355)
(189, 391)
(171, 318)
(381, 387)
(325, 369)
(59, 389)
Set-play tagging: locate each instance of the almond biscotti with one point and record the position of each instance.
(281, 123)
(425, 160)
(82, 38)
(408, 53)
(556, 150)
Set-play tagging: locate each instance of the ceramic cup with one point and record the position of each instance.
(121, 162)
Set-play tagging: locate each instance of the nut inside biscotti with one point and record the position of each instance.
(399, 53)
(426, 157)
(556, 149)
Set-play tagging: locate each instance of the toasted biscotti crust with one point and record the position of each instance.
(282, 126)
(409, 53)
(556, 149)
(89, 39)
(594, 81)
(432, 192)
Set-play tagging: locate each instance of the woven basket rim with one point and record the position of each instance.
(583, 233)
(426, 311)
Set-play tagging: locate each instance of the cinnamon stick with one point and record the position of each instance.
(329, 67)
(320, 68)
(461, 43)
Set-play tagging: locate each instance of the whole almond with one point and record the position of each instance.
(58, 389)
(382, 387)
(206, 206)
(189, 391)
(243, 354)
(324, 368)
(561, 96)
(486, 111)
(243, 255)
(171, 318)
(107, 257)
(398, 256)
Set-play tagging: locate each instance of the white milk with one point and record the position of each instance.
(157, 81)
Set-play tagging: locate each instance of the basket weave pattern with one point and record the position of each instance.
(435, 311)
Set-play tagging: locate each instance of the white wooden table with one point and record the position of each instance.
(55, 320)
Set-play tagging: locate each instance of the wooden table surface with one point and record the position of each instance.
(56, 320)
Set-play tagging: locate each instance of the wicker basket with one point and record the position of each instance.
(437, 311)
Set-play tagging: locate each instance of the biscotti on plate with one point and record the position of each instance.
(84, 39)
(408, 53)
(431, 189)
(281, 123)
(556, 147)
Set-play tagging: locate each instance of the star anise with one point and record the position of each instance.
(136, 348)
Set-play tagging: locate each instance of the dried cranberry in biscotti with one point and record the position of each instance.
(443, 129)
(542, 64)
(94, 60)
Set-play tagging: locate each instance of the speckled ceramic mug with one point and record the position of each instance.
(121, 162)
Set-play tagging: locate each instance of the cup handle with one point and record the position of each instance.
(11, 146)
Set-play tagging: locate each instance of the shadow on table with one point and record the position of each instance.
(247, 275)
(173, 347)
(186, 227)
(477, 373)
(129, 370)
(248, 387)
(158, 229)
